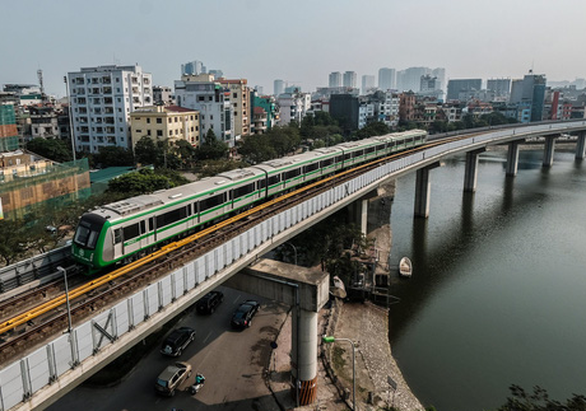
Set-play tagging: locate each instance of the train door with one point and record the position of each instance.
(118, 243)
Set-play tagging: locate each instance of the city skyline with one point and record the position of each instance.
(68, 37)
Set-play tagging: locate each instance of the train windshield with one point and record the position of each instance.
(88, 232)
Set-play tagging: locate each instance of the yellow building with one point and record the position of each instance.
(170, 123)
(237, 92)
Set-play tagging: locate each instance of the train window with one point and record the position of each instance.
(211, 202)
(274, 179)
(131, 232)
(171, 216)
(142, 227)
(370, 150)
(151, 224)
(357, 153)
(117, 236)
(262, 183)
(339, 159)
(310, 167)
(188, 208)
(380, 147)
(347, 156)
(291, 173)
(241, 191)
(327, 162)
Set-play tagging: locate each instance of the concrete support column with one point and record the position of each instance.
(304, 354)
(363, 214)
(581, 146)
(513, 159)
(549, 151)
(471, 170)
(422, 188)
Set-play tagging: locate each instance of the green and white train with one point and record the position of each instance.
(121, 231)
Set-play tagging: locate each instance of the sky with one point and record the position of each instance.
(299, 41)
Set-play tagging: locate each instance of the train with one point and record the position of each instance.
(118, 232)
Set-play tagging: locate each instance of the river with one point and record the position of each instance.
(498, 293)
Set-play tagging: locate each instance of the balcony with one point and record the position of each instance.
(106, 80)
(107, 90)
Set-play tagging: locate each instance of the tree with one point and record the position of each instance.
(145, 151)
(185, 153)
(53, 149)
(112, 156)
(13, 240)
(539, 400)
(372, 129)
(139, 182)
(256, 148)
(211, 148)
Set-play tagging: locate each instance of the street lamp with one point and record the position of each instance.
(332, 339)
(61, 269)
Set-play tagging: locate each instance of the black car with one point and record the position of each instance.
(242, 317)
(208, 303)
(177, 341)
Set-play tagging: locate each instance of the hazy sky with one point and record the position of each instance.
(300, 41)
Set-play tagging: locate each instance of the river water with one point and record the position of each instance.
(498, 293)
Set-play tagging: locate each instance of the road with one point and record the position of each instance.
(232, 362)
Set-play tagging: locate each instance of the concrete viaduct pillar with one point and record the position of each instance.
(471, 171)
(581, 146)
(512, 159)
(422, 188)
(549, 150)
(307, 290)
(359, 211)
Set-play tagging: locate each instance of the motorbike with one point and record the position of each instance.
(198, 385)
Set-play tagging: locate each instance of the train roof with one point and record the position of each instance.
(241, 173)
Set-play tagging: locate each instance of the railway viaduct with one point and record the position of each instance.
(38, 378)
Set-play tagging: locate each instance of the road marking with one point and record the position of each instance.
(208, 336)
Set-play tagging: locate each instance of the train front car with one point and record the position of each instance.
(88, 241)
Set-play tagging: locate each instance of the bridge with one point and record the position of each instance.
(38, 378)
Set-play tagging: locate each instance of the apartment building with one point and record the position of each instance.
(204, 94)
(172, 123)
(238, 94)
(102, 99)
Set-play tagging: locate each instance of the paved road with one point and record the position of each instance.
(231, 361)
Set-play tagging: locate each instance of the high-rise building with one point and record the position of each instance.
(386, 79)
(335, 79)
(440, 74)
(293, 106)
(216, 73)
(529, 94)
(206, 95)
(501, 86)
(237, 93)
(345, 109)
(102, 99)
(410, 79)
(457, 87)
(350, 79)
(278, 87)
(193, 68)
(367, 83)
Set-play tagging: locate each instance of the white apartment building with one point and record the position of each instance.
(366, 114)
(293, 106)
(204, 94)
(102, 99)
(389, 110)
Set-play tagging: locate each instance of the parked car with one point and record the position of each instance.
(177, 341)
(242, 317)
(208, 303)
(172, 377)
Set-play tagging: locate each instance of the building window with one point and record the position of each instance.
(159, 120)
(148, 132)
(176, 119)
(148, 120)
(159, 133)
(235, 95)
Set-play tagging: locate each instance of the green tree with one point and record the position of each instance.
(372, 129)
(139, 182)
(112, 156)
(145, 151)
(256, 148)
(539, 400)
(185, 153)
(208, 168)
(53, 149)
(13, 240)
(211, 148)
